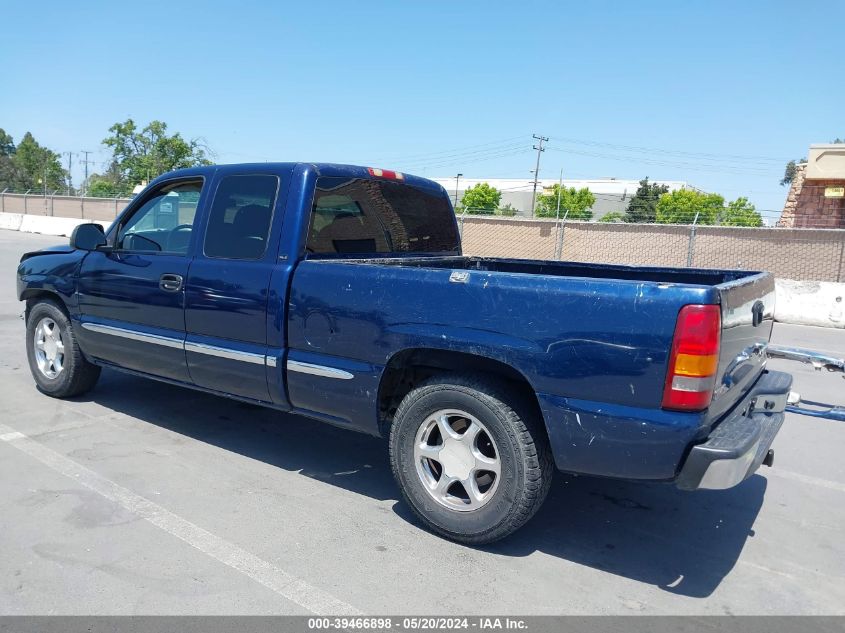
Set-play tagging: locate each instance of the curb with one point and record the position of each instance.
(43, 224)
(820, 303)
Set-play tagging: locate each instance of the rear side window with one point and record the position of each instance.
(359, 215)
(240, 217)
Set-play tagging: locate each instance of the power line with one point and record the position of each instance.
(722, 166)
(463, 155)
(436, 154)
(465, 161)
(721, 169)
(705, 159)
(654, 150)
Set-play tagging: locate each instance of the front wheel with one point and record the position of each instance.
(55, 360)
(471, 462)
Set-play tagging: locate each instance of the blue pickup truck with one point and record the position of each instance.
(341, 293)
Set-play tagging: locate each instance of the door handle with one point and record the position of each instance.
(170, 283)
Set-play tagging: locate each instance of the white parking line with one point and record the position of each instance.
(806, 479)
(274, 578)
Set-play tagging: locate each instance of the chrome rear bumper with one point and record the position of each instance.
(742, 441)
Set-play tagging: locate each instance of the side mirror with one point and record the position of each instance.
(88, 237)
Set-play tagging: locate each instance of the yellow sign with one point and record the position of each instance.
(834, 192)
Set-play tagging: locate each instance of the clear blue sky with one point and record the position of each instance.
(726, 91)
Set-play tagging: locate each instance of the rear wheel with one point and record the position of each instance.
(55, 360)
(472, 462)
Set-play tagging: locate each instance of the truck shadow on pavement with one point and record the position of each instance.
(682, 542)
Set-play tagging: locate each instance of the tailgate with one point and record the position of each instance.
(748, 307)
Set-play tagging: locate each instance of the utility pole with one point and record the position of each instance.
(86, 161)
(540, 150)
(559, 190)
(69, 176)
(457, 180)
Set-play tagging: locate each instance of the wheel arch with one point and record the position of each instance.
(32, 296)
(409, 367)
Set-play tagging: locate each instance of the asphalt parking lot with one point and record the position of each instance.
(142, 498)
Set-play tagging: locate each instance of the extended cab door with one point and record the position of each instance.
(131, 299)
(228, 286)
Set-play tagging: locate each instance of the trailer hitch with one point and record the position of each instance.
(819, 361)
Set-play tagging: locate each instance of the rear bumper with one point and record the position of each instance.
(741, 442)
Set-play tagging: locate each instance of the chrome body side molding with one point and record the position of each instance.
(135, 335)
(220, 352)
(224, 352)
(318, 370)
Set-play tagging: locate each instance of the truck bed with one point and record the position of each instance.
(735, 290)
(592, 340)
(701, 277)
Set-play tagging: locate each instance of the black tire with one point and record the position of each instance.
(77, 375)
(525, 462)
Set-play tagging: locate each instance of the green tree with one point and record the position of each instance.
(106, 185)
(575, 204)
(789, 172)
(682, 206)
(643, 204)
(141, 155)
(613, 216)
(7, 143)
(481, 198)
(101, 186)
(7, 167)
(29, 165)
(740, 212)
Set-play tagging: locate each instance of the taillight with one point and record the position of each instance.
(385, 173)
(694, 358)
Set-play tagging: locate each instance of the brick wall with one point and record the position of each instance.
(806, 206)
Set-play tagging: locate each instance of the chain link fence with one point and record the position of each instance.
(64, 206)
(801, 254)
(806, 253)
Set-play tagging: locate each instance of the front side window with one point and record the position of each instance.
(240, 217)
(164, 222)
(364, 216)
